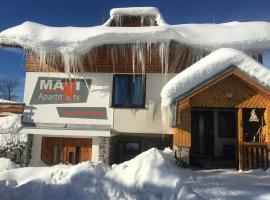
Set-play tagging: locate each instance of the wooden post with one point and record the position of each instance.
(240, 139)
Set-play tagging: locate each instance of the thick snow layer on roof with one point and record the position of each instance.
(151, 175)
(135, 11)
(210, 66)
(246, 35)
(8, 101)
(31, 35)
(115, 13)
(10, 124)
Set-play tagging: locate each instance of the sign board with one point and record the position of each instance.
(54, 90)
(82, 112)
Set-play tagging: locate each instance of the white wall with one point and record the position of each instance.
(146, 120)
(99, 96)
(95, 149)
(36, 151)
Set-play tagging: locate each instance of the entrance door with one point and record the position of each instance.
(202, 133)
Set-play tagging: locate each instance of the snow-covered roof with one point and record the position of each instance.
(243, 36)
(115, 13)
(209, 67)
(4, 101)
(135, 11)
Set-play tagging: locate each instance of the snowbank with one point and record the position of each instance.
(210, 66)
(6, 164)
(142, 177)
(10, 124)
(150, 175)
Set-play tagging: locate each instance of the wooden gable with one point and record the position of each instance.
(232, 90)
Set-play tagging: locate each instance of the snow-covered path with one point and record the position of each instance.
(151, 175)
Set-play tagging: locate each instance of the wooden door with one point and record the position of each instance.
(202, 132)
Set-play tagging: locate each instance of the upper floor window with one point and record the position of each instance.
(128, 91)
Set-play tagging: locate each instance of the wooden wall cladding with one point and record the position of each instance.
(230, 92)
(64, 146)
(182, 134)
(16, 110)
(11, 108)
(118, 59)
(133, 21)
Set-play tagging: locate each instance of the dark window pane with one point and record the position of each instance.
(226, 124)
(132, 148)
(129, 91)
(137, 91)
(121, 90)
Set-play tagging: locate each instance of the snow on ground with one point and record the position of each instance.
(210, 66)
(6, 164)
(151, 175)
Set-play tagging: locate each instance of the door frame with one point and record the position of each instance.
(215, 124)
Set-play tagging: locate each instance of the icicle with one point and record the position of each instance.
(133, 48)
(142, 20)
(164, 60)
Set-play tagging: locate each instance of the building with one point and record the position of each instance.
(94, 93)
(222, 118)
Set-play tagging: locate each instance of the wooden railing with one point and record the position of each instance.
(255, 155)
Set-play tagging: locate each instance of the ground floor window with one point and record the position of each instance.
(65, 150)
(132, 148)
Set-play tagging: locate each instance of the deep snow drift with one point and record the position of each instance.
(151, 175)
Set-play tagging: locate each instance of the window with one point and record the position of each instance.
(128, 91)
(132, 148)
(226, 124)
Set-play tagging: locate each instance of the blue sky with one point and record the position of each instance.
(95, 12)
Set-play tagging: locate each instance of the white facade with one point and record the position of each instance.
(137, 120)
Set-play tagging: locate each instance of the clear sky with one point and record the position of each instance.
(95, 12)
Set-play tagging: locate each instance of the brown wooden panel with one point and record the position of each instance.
(240, 135)
(133, 21)
(218, 95)
(181, 135)
(101, 59)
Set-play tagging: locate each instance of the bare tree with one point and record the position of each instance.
(8, 88)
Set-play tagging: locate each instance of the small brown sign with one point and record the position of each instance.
(82, 112)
